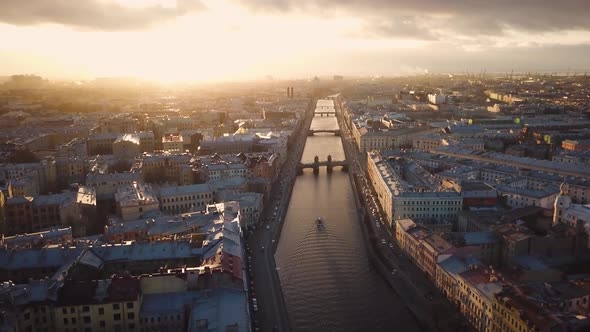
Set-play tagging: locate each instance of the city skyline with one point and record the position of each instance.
(245, 40)
(432, 202)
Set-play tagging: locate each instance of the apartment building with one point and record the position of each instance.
(406, 190)
(103, 143)
(136, 199)
(127, 147)
(106, 184)
(167, 167)
(99, 305)
(33, 214)
(173, 142)
(180, 199)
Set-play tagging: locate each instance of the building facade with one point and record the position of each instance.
(180, 199)
(135, 200)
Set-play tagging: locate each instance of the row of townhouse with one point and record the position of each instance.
(486, 298)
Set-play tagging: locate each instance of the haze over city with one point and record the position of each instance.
(202, 40)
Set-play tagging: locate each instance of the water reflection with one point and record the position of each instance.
(327, 280)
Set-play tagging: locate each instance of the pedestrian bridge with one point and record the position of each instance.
(312, 132)
(326, 108)
(322, 113)
(316, 164)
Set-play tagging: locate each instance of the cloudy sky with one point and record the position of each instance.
(198, 40)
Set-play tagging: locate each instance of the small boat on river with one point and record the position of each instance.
(320, 223)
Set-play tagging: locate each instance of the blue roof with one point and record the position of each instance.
(137, 251)
(220, 307)
(165, 303)
(530, 263)
(477, 238)
(52, 257)
(458, 264)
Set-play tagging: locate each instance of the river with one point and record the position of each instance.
(327, 280)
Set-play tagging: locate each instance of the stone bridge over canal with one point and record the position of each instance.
(316, 164)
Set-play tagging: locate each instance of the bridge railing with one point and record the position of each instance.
(324, 163)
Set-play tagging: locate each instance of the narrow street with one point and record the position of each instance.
(270, 313)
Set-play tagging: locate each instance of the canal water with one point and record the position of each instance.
(327, 280)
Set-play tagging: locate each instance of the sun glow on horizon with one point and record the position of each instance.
(222, 40)
(221, 43)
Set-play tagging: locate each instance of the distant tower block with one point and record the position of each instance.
(288, 92)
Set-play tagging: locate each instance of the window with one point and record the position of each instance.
(116, 306)
(101, 311)
(72, 310)
(86, 319)
(65, 321)
(85, 308)
(130, 315)
(117, 317)
(102, 323)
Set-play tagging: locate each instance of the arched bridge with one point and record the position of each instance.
(312, 132)
(330, 164)
(322, 113)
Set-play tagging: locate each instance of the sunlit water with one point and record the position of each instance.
(329, 284)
